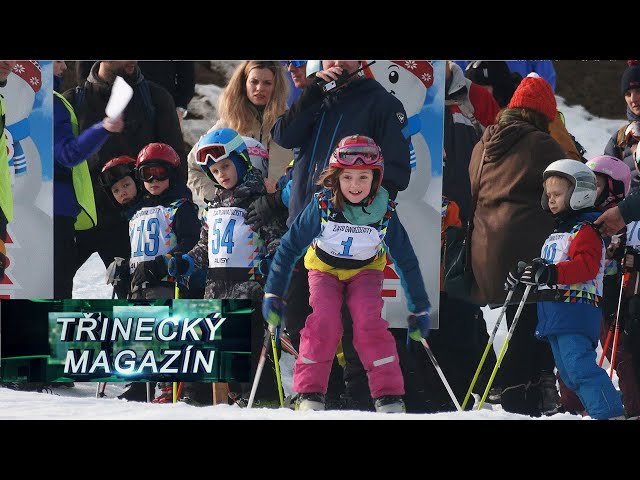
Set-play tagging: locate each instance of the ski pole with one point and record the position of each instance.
(489, 345)
(177, 391)
(276, 362)
(505, 345)
(521, 266)
(256, 378)
(440, 373)
(606, 343)
(614, 349)
(614, 326)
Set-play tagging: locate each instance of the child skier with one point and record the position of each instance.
(569, 277)
(166, 221)
(346, 232)
(118, 180)
(228, 246)
(613, 184)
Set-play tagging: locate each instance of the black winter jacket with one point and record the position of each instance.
(316, 124)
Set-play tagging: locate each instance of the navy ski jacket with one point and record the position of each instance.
(316, 123)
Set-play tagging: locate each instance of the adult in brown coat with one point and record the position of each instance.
(509, 225)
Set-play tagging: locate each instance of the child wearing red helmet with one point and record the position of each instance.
(166, 221)
(345, 234)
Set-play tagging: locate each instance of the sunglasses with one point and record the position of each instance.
(296, 63)
(148, 172)
(217, 151)
(632, 132)
(116, 173)
(365, 153)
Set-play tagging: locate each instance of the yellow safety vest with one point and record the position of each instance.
(6, 199)
(87, 218)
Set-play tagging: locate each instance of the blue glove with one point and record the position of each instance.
(272, 309)
(419, 324)
(180, 265)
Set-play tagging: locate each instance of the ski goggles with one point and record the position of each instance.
(115, 174)
(148, 172)
(367, 154)
(217, 151)
(296, 63)
(632, 133)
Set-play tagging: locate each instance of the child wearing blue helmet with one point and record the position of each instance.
(229, 247)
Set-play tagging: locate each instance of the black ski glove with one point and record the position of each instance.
(151, 271)
(540, 272)
(513, 278)
(263, 209)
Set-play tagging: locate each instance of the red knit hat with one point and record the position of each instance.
(535, 92)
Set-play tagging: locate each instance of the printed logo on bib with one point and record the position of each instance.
(344, 240)
(232, 242)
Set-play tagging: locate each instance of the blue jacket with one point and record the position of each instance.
(69, 151)
(307, 226)
(316, 124)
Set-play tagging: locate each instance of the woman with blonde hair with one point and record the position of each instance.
(250, 104)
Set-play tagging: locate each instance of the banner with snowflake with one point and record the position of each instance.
(28, 98)
(419, 85)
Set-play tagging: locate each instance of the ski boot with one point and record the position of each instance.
(390, 404)
(310, 401)
(166, 395)
(550, 401)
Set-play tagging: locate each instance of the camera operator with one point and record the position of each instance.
(315, 123)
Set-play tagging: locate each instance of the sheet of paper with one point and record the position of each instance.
(121, 93)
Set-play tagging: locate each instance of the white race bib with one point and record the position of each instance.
(232, 242)
(151, 234)
(345, 240)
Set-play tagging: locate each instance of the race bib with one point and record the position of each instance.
(232, 242)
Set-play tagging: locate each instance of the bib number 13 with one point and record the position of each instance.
(150, 230)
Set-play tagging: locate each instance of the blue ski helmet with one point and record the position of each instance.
(220, 144)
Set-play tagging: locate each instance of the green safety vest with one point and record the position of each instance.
(87, 218)
(6, 200)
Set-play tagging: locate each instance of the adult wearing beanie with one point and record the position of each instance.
(618, 146)
(509, 225)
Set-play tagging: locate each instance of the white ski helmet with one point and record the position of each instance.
(582, 193)
(258, 154)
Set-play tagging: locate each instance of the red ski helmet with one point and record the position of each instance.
(360, 152)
